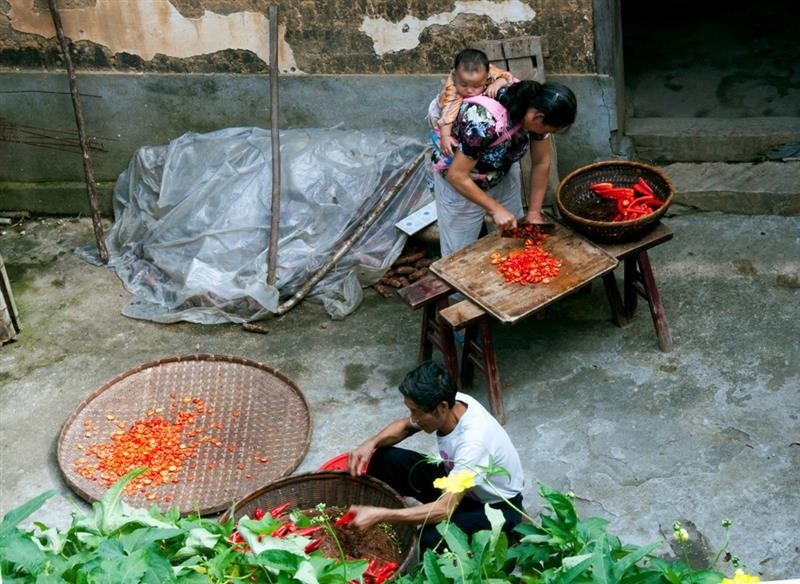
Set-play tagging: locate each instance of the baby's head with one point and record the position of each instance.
(470, 72)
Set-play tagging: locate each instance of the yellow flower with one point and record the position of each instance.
(457, 482)
(739, 577)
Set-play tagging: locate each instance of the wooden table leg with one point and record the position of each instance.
(491, 371)
(425, 341)
(468, 355)
(654, 300)
(629, 286)
(447, 344)
(614, 299)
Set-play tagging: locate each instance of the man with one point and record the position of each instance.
(468, 438)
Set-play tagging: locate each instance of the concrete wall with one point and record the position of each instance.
(124, 112)
(150, 70)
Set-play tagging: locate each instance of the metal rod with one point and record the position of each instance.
(88, 169)
(276, 146)
(345, 246)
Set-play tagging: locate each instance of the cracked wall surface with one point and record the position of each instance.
(315, 37)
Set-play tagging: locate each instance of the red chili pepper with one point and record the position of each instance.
(644, 186)
(306, 531)
(314, 544)
(258, 514)
(370, 571)
(345, 519)
(279, 510)
(283, 530)
(651, 201)
(601, 186)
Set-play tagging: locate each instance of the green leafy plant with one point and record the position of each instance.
(559, 548)
(119, 544)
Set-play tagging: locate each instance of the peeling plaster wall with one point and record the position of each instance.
(151, 70)
(335, 36)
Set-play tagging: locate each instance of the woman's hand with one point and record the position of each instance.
(503, 218)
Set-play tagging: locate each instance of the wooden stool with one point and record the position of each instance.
(431, 294)
(478, 350)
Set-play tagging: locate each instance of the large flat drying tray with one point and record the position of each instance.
(259, 420)
(471, 272)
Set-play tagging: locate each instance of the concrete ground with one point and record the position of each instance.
(707, 432)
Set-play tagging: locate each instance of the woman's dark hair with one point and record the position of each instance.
(555, 101)
(429, 385)
(471, 60)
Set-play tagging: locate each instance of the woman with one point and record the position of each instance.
(483, 177)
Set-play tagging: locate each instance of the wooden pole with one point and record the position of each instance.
(88, 169)
(345, 246)
(276, 146)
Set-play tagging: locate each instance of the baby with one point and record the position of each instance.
(471, 75)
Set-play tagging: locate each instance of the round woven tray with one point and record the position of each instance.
(258, 418)
(335, 489)
(591, 215)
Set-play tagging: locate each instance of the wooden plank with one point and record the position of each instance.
(462, 314)
(658, 235)
(470, 271)
(425, 290)
(493, 50)
(524, 46)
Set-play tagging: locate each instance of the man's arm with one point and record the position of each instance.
(397, 431)
(429, 513)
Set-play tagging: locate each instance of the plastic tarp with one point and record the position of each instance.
(192, 220)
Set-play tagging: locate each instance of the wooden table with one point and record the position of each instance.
(440, 318)
(470, 271)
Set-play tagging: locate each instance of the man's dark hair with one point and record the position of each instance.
(470, 60)
(429, 385)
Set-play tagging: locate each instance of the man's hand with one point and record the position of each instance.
(358, 459)
(366, 516)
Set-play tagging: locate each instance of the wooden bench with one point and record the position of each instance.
(441, 319)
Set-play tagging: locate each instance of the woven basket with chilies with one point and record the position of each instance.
(335, 489)
(592, 215)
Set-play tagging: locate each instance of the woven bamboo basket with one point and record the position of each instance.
(335, 489)
(591, 215)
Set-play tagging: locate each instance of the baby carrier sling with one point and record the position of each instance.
(500, 115)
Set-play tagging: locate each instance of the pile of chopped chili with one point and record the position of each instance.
(530, 265)
(632, 202)
(163, 442)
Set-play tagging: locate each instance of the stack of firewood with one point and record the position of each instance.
(408, 268)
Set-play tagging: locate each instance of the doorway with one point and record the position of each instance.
(710, 59)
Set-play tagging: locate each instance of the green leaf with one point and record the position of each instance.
(707, 577)
(144, 537)
(18, 549)
(561, 505)
(15, 516)
(629, 560)
(602, 563)
(575, 570)
(110, 501)
(306, 573)
(430, 566)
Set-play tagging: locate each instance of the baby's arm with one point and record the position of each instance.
(500, 79)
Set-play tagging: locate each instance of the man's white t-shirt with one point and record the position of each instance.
(477, 437)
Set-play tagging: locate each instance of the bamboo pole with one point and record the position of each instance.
(276, 146)
(346, 245)
(88, 168)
